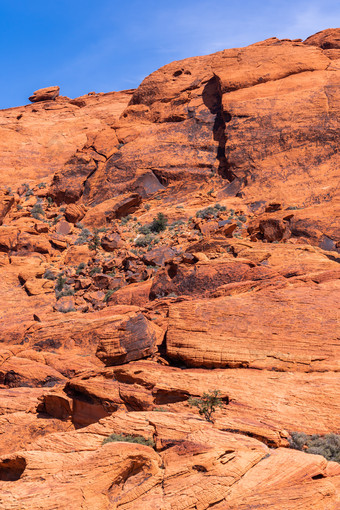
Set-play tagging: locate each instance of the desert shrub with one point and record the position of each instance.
(145, 240)
(37, 211)
(126, 219)
(109, 294)
(129, 439)
(328, 445)
(207, 404)
(94, 242)
(49, 275)
(60, 282)
(144, 229)
(81, 266)
(95, 270)
(242, 218)
(29, 193)
(83, 236)
(42, 185)
(66, 291)
(147, 207)
(56, 219)
(176, 224)
(61, 288)
(159, 224)
(211, 211)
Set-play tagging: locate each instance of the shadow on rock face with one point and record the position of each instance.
(212, 98)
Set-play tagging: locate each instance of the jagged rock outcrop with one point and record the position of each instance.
(46, 94)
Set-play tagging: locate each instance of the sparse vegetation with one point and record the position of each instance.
(126, 219)
(129, 439)
(61, 288)
(83, 236)
(37, 211)
(144, 229)
(94, 243)
(145, 240)
(328, 446)
(96, 270)
(159, 224)
(147, 207)
(49, 275)
(29, 193)
(207, 404)
(176, 224)
(211, 211)
(109, 294)
(81, 266)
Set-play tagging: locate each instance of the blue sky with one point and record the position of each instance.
(105, 45)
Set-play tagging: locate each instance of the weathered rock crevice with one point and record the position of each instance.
(212, 98)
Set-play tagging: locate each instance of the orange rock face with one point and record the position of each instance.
(156, 245)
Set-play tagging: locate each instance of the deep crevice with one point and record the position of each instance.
(212, 98)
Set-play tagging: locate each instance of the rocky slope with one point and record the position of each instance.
(163, 242)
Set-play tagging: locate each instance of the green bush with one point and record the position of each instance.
(328, 445)
(61, 289)
(37, 211)
(129, 439)
(144, 229)
(159, 224)
(95, 242)
(211, 211)
(81, 266)
(207, 403)
(60, 282)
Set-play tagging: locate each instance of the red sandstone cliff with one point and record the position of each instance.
(111, 316)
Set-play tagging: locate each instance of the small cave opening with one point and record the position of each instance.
(212, 98)
(318, 477)
(172, 270)
(11, 469)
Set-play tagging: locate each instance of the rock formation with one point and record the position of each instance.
(160, 243)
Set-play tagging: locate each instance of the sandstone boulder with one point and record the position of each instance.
(46, 94)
